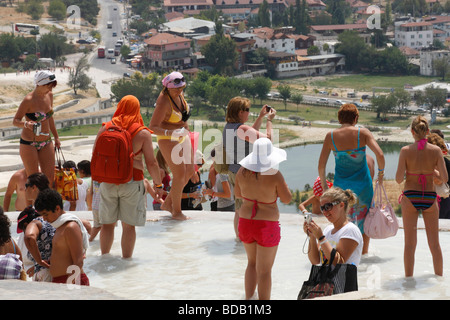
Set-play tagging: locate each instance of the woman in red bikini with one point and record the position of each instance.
(36, 146)
(260, 184)
(416, 165)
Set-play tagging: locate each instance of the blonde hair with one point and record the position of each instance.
(435, 139)
(235, 105)
(420, 126)
(345, 196)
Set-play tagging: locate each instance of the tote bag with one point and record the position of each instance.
(381, 221)
(65, 180)
(326, 280)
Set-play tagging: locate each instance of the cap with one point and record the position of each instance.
(174, 80)
(44, 77)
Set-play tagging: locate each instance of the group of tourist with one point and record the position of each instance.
(251, 179)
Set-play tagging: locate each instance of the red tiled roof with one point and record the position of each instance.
(339, 27)
(165, 38)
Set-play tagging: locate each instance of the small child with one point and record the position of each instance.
(314, 200)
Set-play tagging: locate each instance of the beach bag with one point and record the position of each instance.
(220, 163)
(112, 157)
(326, 279)
(11, 267)
(442, 190)
(381, 221)
(65, 179)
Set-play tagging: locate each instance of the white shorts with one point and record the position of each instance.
(124, 202)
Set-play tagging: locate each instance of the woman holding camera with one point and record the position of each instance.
(237, 137)
(36, 146)
(342, 235)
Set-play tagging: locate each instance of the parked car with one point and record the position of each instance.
(113, 61)
(322, 100)
(114, 34)
(323, 92)
(365, 97)
(351, 95)
(82, 41)
(126, 75)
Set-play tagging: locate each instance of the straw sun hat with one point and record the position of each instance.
(264, 156)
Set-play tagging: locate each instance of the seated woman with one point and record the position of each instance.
(342, 235)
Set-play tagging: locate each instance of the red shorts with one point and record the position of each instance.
(84, 280)
(265, 233)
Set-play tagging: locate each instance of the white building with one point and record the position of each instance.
(426, 60)
(273, 41)
(414, 35)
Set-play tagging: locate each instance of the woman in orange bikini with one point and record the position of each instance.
(36, 146)
(169, 123)
(416, 165)
(260, 184)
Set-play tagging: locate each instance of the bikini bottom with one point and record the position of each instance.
(421, 200)
(266, 233)
(37, 144)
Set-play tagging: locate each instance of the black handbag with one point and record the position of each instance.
(326, 279)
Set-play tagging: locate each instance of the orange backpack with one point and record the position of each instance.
(65, 179)
(112, 157)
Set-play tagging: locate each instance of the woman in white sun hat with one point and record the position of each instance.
(259, 183)
(35, 116)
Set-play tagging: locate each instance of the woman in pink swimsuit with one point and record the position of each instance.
(259, 184)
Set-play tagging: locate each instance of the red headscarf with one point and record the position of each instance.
(129, 112)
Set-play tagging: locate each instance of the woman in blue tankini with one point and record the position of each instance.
(348, 144)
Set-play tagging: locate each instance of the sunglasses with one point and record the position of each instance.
(246, 110)
(328, 206)
(52, 77)
(178, 80)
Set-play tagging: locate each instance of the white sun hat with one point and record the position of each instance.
(264, 156)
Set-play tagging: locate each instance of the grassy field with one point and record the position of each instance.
(362, 82)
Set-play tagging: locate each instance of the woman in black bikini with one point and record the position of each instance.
(36, 146)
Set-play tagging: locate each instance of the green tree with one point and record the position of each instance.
(57, 9)
(78, 79)
(403, 100)
(220, 52)
(262, 86)
(264, 15)
(145, 88)
(351, 44)
(441, 67)
(9, 50)
(297, 98)
(35, 9)
(285, 93)
(435, 97)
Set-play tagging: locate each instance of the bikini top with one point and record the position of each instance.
(177, 116)
(422, 177)
(39, 116)
(255, 205)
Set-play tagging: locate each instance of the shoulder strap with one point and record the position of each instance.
(332, 140)
(359, 128)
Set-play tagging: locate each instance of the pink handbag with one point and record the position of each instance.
(381, 221)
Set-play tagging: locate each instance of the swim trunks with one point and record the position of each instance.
(266, 233)
(84, 280)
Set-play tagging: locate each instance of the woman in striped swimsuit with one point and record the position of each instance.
(416, 165)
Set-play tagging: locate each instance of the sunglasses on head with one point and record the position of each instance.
(52, 77)
(328, 206)
(178, 80)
